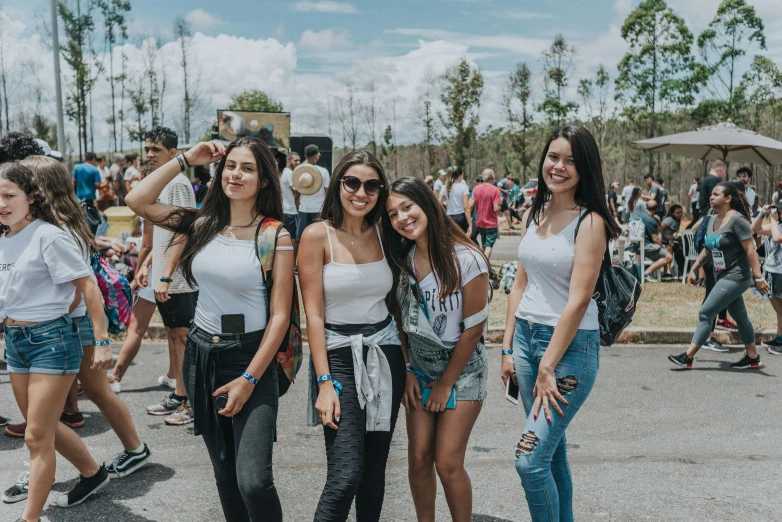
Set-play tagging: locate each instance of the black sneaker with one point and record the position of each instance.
(714, 345)
(18, 491)
(3, 421)
(83, 489)
(747, 363)
(681, 360)
(774, 346)
(127, 462)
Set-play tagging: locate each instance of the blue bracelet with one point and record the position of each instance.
(408, 368)
(323, 378)
(103, 343)
(250, 378)
(507, 352)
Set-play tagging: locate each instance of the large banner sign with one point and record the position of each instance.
(274, 128)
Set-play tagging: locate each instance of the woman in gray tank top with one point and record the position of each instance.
(553, 351)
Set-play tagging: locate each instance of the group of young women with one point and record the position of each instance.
(396, 299)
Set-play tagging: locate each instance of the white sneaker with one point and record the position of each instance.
(164, 380)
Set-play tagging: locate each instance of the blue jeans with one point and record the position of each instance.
(86, 332)
(541, 455)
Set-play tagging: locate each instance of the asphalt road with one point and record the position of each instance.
(506, 248)
(651, 443)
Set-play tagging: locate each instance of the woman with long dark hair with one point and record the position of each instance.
(237, 328)
(731, 247)
(456, 197)
(442, 299)
(553, 352)
(43, 269)
(358, 366)
(669, 231)
(631, 207)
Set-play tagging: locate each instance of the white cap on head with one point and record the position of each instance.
(441, 172)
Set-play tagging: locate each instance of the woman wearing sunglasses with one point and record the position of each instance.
(442, 293)
(345, 279)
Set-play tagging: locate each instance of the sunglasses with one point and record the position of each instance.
(371, 186)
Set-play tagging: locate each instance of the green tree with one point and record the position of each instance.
(114, 22)
(387, 148)
(79, 26)
(595, 93)
(519, 111)
(759, 92)
(254, 100)
(659, 69)
(557, 60)
(140, 102)
(461, 98)
(728, 38)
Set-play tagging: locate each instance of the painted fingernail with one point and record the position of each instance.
(548, 420)
(535, 417)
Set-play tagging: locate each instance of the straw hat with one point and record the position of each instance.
(307, 179)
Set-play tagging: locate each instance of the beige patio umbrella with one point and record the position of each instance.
(723, 141)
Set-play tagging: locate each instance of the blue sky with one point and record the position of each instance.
(304, 53)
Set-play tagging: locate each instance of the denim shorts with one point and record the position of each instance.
(52, 347)
(86, 333)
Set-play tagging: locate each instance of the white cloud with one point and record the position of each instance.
(525, 15)
(506, 42)
(326, 7)
(203, 20)
(323, 41)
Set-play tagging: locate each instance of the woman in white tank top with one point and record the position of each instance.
(358, 366)
(553, 351)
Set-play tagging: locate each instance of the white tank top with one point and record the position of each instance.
(355, 294)
(549, 265)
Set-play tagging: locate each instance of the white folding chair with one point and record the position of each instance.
(690, 254)
(635, 229)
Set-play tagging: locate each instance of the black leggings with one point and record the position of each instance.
(357, 458)
(461, 220)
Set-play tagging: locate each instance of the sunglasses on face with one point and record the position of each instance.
(371, 186)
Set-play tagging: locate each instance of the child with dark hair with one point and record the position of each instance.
(16, 146)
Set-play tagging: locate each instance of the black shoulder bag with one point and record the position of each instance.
(617, 292)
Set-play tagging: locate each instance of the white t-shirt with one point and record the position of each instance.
(179, 192)
(751, 196)
(627, 193)
(133, 175)
(286, 185)
(694, 193)
(81, 308)
(230, 282)
(313, 203)
(455, 197)
(445, 315)
(37, 267)
(438, 186)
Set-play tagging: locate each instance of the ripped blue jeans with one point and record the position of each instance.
(541, 454)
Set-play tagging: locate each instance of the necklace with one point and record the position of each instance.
(229, 230)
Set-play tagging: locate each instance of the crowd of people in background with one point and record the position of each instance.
(403, 267)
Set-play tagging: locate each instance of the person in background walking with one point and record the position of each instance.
(504, 186)
(715, 175)
(104, 195)
(357, 375)
(486, 199)
(441, 300)
(744, 174)
(290, 198)
(694, 197)
(767, 224)
(627, 193)
(310, 205)
(116, 174)
(439, 183)
(455, 195)
(613, 200)
(656, 193)
(731, 247)
(553, 351)
(86, 178)
(132, 174)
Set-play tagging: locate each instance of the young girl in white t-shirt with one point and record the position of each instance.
(442, 294)
(40, 269)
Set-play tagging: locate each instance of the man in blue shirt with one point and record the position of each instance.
(653, 247)
(86, 178)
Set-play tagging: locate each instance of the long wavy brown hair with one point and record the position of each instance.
(55, 183)
(443, 236)
(22, 177)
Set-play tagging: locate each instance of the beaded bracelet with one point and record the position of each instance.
(507, 352)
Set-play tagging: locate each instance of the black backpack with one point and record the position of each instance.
(91, 214)
(616, 292)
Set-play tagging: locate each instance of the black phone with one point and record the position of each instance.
(221, 401)
(512, 391)
(232, 323)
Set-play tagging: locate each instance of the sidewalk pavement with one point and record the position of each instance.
(631, 335)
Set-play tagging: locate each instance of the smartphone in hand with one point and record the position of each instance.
(512, 391)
